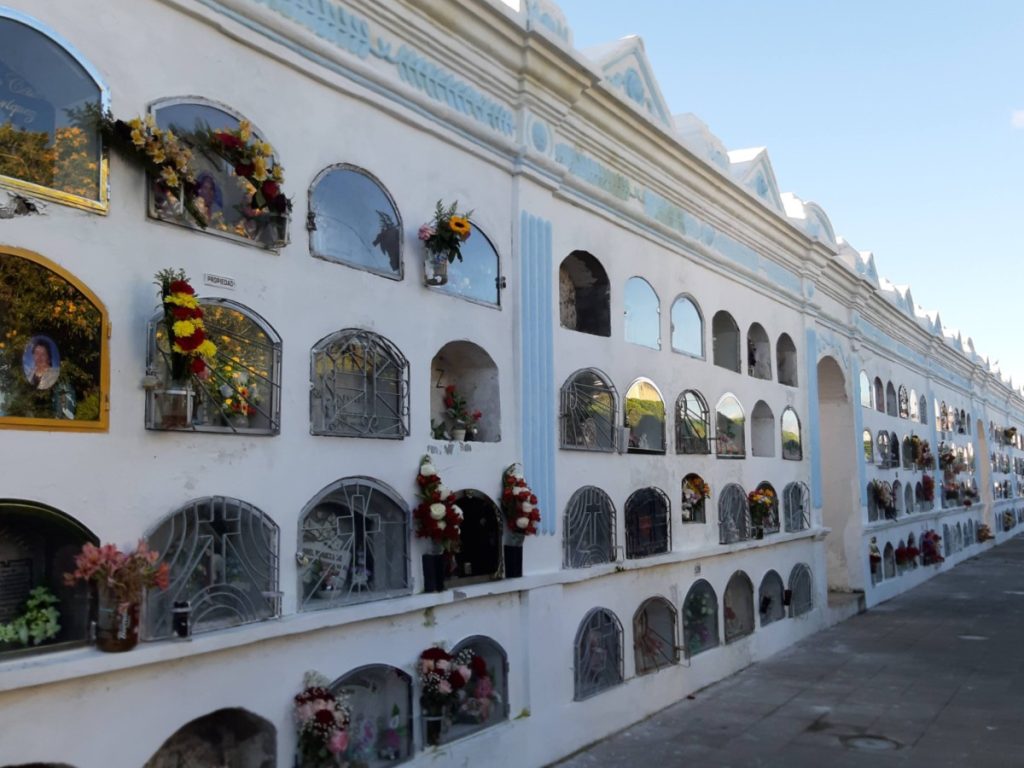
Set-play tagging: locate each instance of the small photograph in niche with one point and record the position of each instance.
(41, 362)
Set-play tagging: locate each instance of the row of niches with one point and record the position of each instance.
(585, 306)
(589, 531)
(590, 420)
(1010, 518)
(889, 501)
(53, 145)
(885, 398)
(599, 663)
(1005, 436)
(925, 548)
(915, 452)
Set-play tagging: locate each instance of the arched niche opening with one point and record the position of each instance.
(869, 446)
(474, 376)
(866, 400)
(889, 561)
(785, 356)
(725, 341)
(38, 545)
(797, 506)
(891, 405)
(231, 737)
(801, 590)
(654, 636)
(738, 607)
(903, 402)
(759, 353)
(353, 544)
(485, 702)
(643, 314)
(730, 421)
(879, 395)
(479, 555)
(687, 327)
(588, 405)
(762, 430)
(733, 515)
(598, 654)
(700, 619)
(644, 416)
(770, 599)
(694, 498)
(589, 529)
(584, 295)
(477, 277)
(693, 423)
(380, 700)
(648, 529)
(792, 440)
(915, 414)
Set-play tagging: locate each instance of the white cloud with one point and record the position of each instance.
(1017, 118)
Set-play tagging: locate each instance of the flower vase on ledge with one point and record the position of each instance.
(117, 622)
(435, 267)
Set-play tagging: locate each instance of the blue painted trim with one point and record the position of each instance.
(858, 428)
(537, 366)
(814, 425)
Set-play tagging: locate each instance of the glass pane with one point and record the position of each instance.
(729, 423)
(769, 599)
(869, 447)
(598, 654)
(687, 328)
(647, 523)
(692, 428)
(739, 608)
(353, 546)
(476, 276)
(733, 516)
(645, 417)
(588, 413)
(484, 701)
(654, 636)
(356, 223)
(700, 619)
(865, 390)
(380, 700)
(642, 314)
(225, 197)
(47, 105)
(50, 345)
(791, 446)
(589, 529)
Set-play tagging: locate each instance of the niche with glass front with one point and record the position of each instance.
(654, 636)
(589, 529)
(379, 698)
(730, 439)
(648, 530)
(477, 276)
(587, 413)
(693, 424)
(770, 599)
(738, 607)
(700, 619)
(687, 327)
(644, 417)
(643, 314)
(598, 654)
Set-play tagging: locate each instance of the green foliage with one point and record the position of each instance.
(37, 624)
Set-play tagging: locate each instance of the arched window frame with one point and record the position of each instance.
(101, 424)
(794, 452)
(802, 597)
(570, 398)
(866, 391)
(257, 599)
(452, 287)
(317, 209)
(374, 679)
(354, 424)
(786, 361)
(891, 404)
(722, 357)
(915, 413)
(688, 299)
(903, 402)
(269, 241)
(692, 487)
(882, 442)
(331, 555)
(654, 650)
(102, 204)
(496, 702)
(734, 523)
(869, 446)
(638, 316)
(722, 449)
(771, 599)
(700, 619)
(687, 441)
(464, 574)
(735, 627)
(759, 353)
(583, 529)
(762, 430)
(268, 408)
(660, 446)
(879, 395)
(648, 523)
(599, 637)
(797, 506)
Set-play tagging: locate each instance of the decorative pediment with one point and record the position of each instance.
(810, 218)
(698, 138)
(752, 169)
(625, 68)
(546, 15)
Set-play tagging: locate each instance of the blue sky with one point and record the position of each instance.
(898, 118)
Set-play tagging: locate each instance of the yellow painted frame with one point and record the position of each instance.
(69, 425)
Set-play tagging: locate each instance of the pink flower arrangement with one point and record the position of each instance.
(322, 719)
(442, 676)
(125, 574)
(519, 502)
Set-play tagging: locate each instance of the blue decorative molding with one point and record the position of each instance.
(540, 136)
(546, 15)
(539, 407)
(858, 430)
(903, 352)
(352, 34)
(814, 419)
(592, 172)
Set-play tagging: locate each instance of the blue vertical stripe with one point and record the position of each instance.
(815, 417)
(858, 428)
(537, 366)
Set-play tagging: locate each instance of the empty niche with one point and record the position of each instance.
(738, 607)
(584, 295)
(725, 341)
(479, 555)
(474, 375)
(228, 737)
(785, 355)
(762, 430)
(769, 599)
(759, 353)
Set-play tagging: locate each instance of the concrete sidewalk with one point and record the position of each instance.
(932, 678)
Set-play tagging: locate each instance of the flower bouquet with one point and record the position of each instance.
(519, 504)
(443, 238)
(190, 350)
(874, 557)
(930, 554)
(457, 411)
(984, 533)
(438, 519)
(928, 487)
(322, 719)
(762, 508)
(442, 677)
(695, 491)
(121, 579)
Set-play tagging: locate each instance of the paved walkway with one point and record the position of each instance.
(933, 678)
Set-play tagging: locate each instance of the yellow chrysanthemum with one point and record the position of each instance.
(259, 166)
(207, 349)
(150, 122)
(181, 300)
(169, 176)
(135, 124)
(244, 130)
(277, 173)
(156, 152)
(460, 226)
(138, 139)
(183, 329)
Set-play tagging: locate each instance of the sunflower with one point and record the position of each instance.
(459, 225)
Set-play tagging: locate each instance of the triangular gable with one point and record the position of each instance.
(752, 169)
(624, 66)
